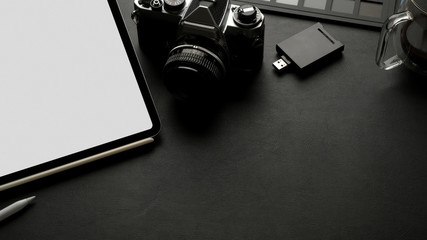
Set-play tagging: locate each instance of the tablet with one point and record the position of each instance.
(71, 87)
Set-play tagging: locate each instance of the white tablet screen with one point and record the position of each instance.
(66, 83)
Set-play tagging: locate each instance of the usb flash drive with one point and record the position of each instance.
(306, 47)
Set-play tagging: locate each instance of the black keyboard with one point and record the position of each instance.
(362, 12)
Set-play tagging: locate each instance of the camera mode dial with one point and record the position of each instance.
(247, 16)
(174, 5)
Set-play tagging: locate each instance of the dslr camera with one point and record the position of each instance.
(200, 42)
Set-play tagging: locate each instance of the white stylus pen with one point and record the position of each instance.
(15, 207)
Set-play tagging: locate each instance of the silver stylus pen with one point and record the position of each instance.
(15, 207)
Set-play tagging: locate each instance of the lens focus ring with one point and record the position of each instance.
(197, 57)
(192, 70)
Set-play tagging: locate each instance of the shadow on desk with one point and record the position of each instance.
(88, 170)
(412, 83)
(199, 117)
(313, 69)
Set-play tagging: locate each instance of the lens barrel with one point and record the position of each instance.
(194, 72)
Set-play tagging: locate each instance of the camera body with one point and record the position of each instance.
(202, 41)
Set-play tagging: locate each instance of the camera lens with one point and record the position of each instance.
(194, 72)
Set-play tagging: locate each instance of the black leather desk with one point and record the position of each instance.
(340, 153)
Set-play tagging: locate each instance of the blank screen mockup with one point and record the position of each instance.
(66, 83)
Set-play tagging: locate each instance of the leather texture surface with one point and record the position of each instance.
(335, 153)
